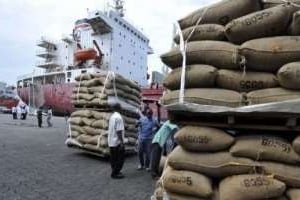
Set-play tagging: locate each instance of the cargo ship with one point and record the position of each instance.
(104, 40)
(8, 97)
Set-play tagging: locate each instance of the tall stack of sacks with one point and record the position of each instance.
(93, 96)
(239, 54)
(211, 163)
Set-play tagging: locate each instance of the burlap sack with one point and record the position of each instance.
(87, 139)
(289, 76)
(219, 164)
(294, 28)
(82, 113)
(246, 187)
(289, 174)
(296, 144)
(245, 82)
(270, 22)
(83, 77)
(203, 139)
(197, 76)
(203, 32)
(88, 121)
(265, 148)
(213, 96)
(84, 96)
(272, 95)
(101, 115)
(187, 183)
(80, 90)
(216, 53)
(102, 124)
(94, 131)
(221, 12)
(272, 3)
(131, 134)
(74, 134)
(76, 121)
(269, 54)
(293, 194)
(79, 129)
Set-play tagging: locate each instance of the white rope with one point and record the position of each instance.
(183, 48)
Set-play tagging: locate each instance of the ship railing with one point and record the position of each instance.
(45, 42)
(48, 52)
(47, 64)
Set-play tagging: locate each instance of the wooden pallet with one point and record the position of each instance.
(252, 121)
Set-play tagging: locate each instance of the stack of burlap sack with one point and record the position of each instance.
(89, 124)
(242, 52)
(213, 164)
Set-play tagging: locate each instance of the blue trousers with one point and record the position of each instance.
(144, 152)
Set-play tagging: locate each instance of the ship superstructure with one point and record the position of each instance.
(101, 41)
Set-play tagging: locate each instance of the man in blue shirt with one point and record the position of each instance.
(147, 127)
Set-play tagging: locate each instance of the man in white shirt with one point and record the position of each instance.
(116, 142)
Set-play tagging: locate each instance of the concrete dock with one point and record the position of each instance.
(35, 164)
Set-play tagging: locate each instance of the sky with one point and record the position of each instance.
(23, 22)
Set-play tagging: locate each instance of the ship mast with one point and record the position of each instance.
(119, 7)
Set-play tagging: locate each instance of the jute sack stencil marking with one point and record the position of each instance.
(265, 148)
(203, 32)
(289, 76)
(204, 52)
(269, 54)
(289, 174)
(188, 183)
(296, 144)
(248, 187)
(295, 25)
(245, 81)
(213, 96)
(197, 76)
(272, 95)
(270, 22)
(221, 12)
(293, 194)
(203, 139)
(219, 164)
(272, 3)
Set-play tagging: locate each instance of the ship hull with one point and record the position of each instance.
(56, 96)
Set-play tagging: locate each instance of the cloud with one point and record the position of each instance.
(25, 21)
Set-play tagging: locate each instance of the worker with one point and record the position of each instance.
(49, 116)
(14, 112)
(158, 143)
(116, 138)
(147, 127)
(40, 116)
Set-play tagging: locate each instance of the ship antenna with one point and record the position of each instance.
(119, 7)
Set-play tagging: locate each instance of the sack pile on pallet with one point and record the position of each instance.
(93, 96)
(211, 163)
(241, 52)
(238, 54)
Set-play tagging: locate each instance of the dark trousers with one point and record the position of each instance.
(155, 159)
(40, 121)
(144, 152)
(15, 115)
(117, 159)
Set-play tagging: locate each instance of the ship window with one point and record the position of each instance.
(124, 25)
(116, 20)
(69, 74)
(83, 71)
(120, 23)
